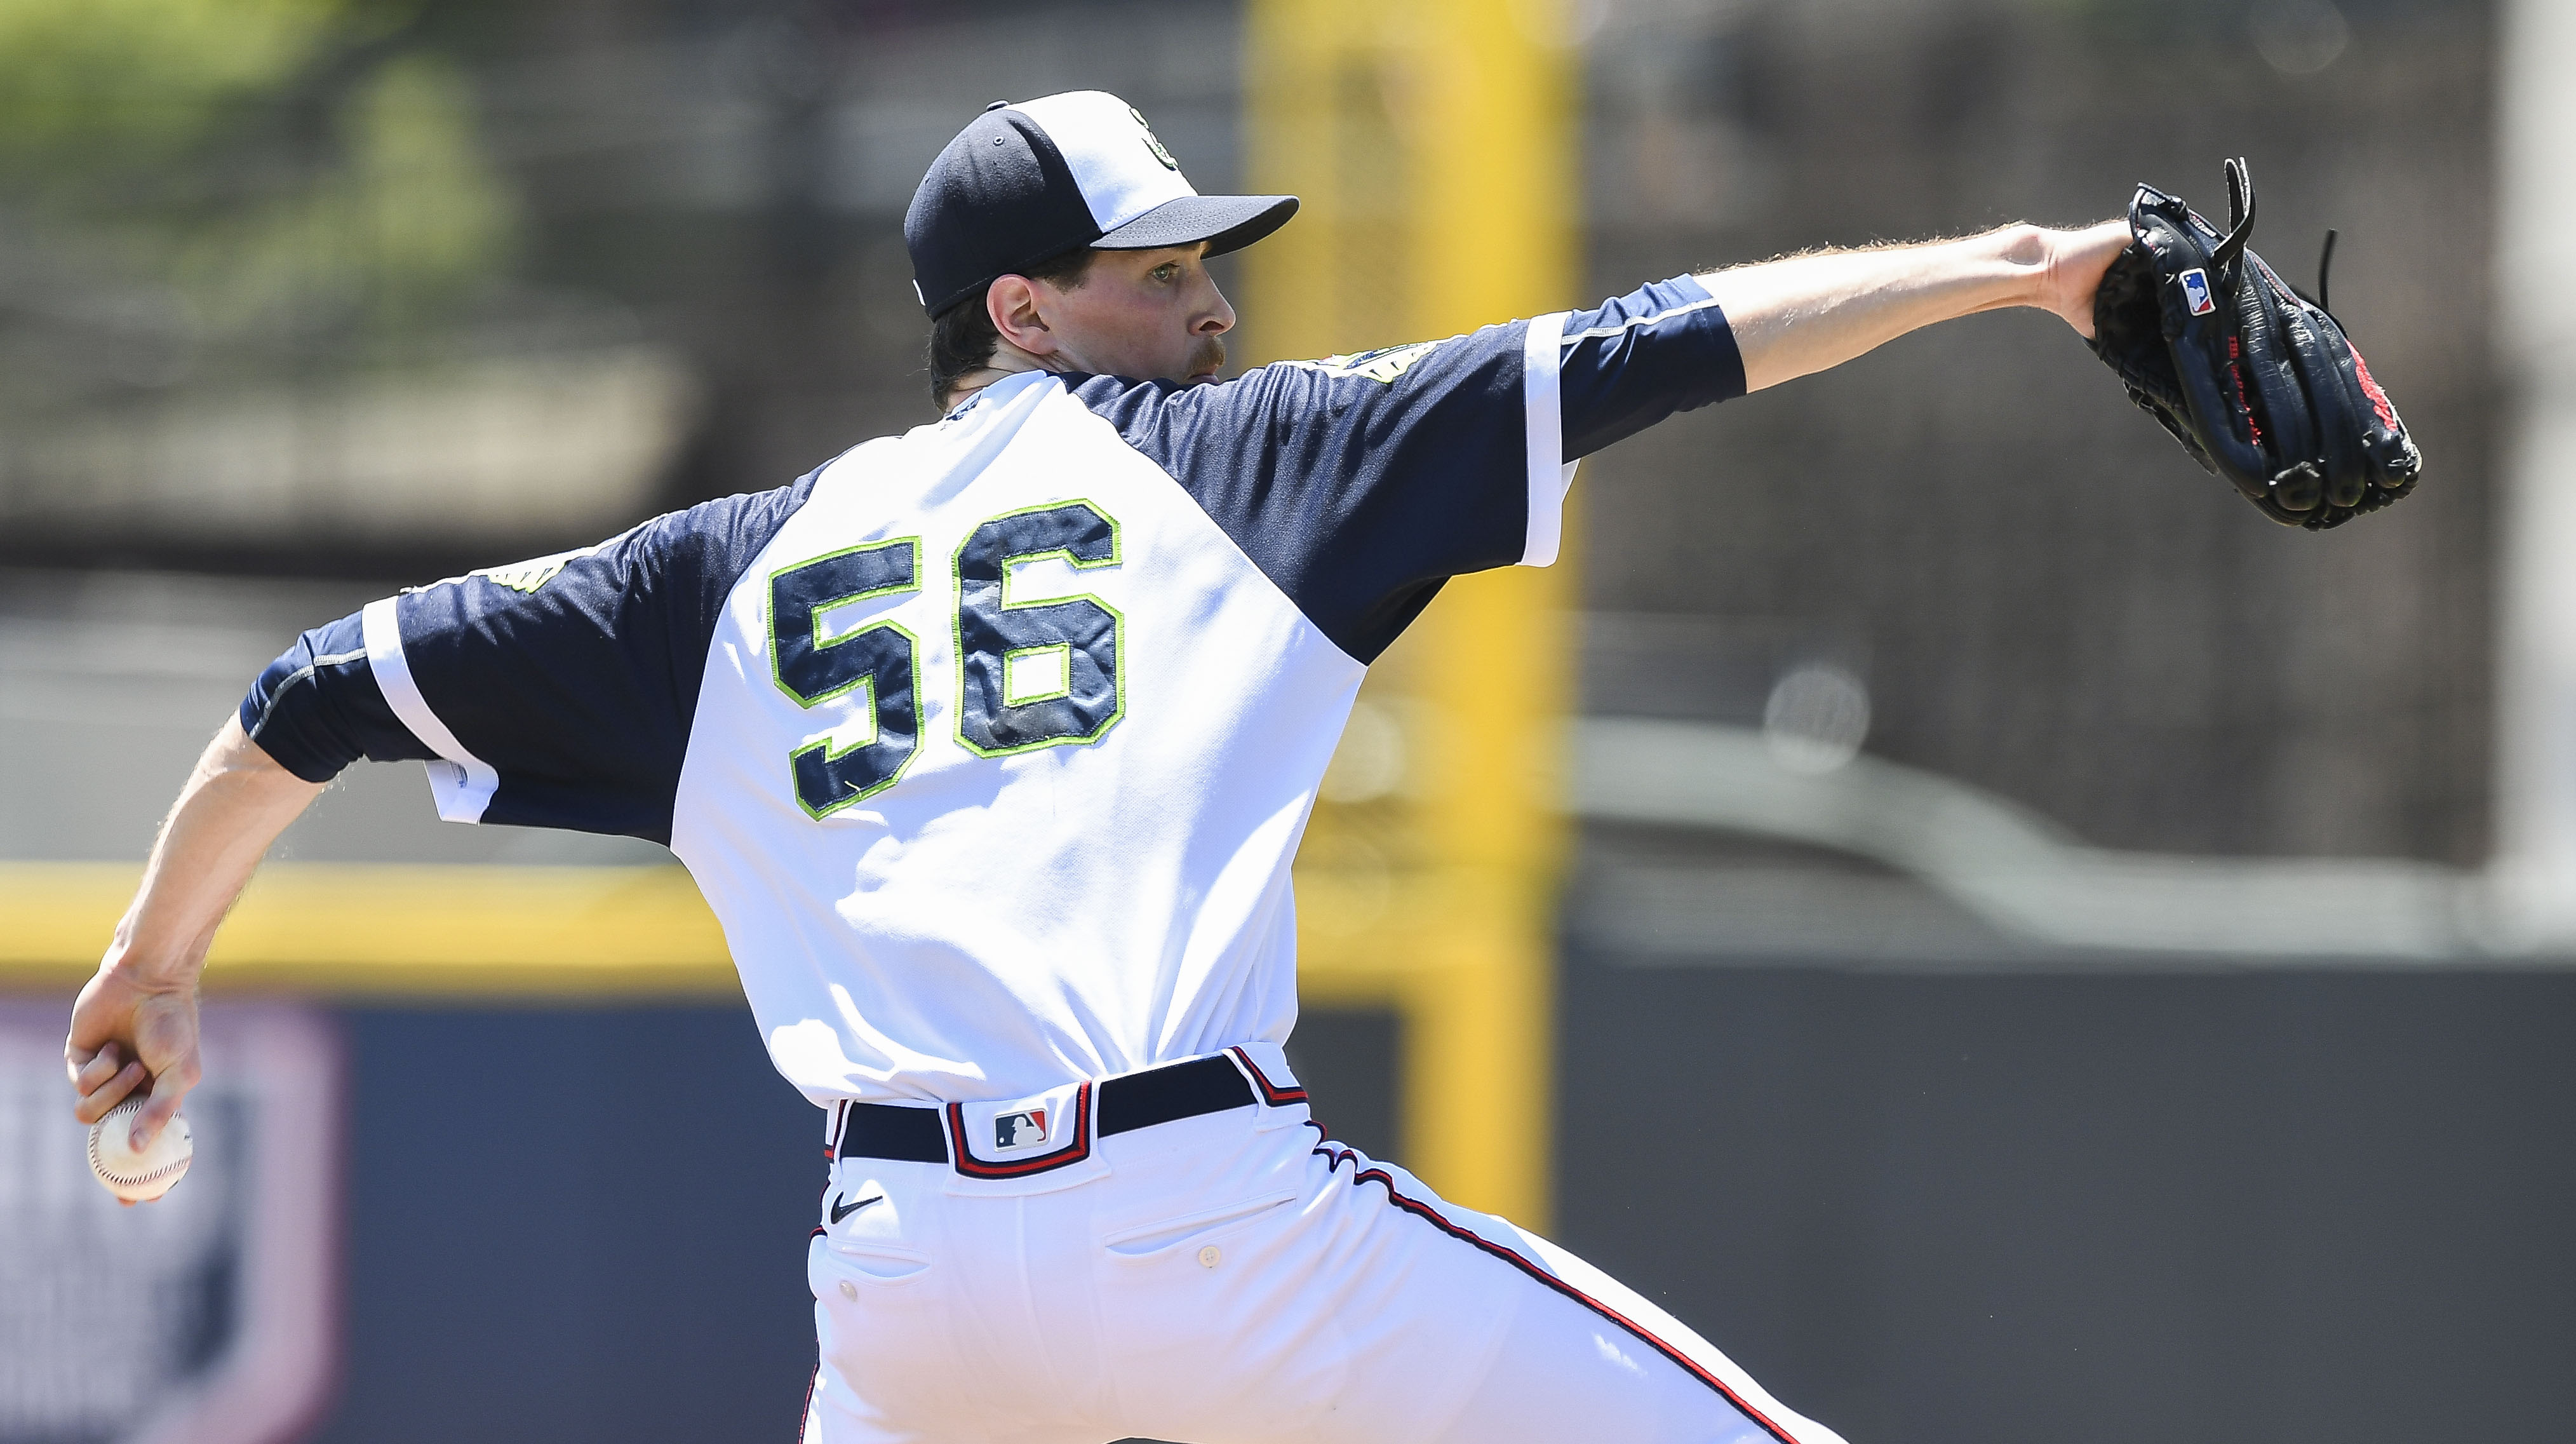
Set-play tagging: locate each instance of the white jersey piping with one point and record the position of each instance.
(461, 782)
(1550, 474)
(1603, 333)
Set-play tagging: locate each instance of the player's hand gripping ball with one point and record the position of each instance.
(138, 1177)
(2256, 381)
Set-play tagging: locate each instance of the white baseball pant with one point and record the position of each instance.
(1234, 1278)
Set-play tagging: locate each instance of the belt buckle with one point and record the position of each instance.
(1014, 1138)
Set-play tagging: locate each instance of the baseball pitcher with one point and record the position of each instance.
(990, 745)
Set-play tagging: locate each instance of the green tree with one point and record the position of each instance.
(299, 171)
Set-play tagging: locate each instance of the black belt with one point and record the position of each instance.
(1138, 1100)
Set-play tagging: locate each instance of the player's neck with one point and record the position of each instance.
(1007, 361)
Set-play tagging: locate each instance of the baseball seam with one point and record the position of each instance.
(100, 1166)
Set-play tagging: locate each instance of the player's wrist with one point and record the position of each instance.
(2044, 267)
(135, 965)
(2022, 258)
(1989, 271)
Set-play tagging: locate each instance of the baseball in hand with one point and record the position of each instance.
(138, 1177)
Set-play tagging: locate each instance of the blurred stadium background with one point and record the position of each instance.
(2004, 942)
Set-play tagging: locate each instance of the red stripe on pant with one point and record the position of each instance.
(1271, 1093)
(1432, 1216)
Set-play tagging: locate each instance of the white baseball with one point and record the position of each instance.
(138, 1177)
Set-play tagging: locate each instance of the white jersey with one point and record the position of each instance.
(990, 744)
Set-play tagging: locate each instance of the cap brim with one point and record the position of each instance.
(1226, 223)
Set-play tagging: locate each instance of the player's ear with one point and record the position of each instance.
(1012, 303)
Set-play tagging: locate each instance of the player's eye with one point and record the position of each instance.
(1166, 272)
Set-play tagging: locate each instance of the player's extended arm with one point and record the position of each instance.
(1803, 314)
(136, 1021)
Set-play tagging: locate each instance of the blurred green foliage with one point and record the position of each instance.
(85, 82)
(387, 234)
(305, 171)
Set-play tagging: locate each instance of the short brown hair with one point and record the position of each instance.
(962, 339)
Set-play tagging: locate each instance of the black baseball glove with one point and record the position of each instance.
(2254, 379)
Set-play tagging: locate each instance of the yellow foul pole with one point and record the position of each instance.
(1432, 145)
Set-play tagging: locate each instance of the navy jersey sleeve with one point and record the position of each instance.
(1638, 359)
(317, 709)
(1360, 484)
(555, 693)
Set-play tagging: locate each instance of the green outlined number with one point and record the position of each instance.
(1031, 674)
(1040, 673)
(815, 667)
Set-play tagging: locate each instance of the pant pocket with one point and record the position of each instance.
(1205, 1305)
(1152, 1241)
(876, 1263)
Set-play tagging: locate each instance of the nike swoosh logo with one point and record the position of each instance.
(841, 1211)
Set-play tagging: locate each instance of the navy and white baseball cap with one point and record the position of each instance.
(1031, 180)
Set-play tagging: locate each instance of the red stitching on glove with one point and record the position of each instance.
(2236, 373)
(2378, 398)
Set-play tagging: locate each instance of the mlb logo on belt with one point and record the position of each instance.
(2195, 290)
(1024, 1129)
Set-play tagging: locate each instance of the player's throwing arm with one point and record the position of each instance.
(134, 1028)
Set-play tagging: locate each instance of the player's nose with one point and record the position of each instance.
(1215, 317)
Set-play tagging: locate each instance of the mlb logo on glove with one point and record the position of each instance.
(2195, 290)
(1025, 1129)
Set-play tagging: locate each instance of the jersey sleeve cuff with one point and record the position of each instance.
(1550, 474)
(314, 709)
(275, 728)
